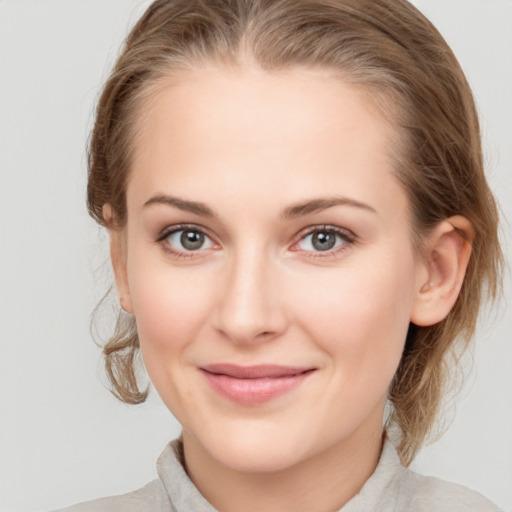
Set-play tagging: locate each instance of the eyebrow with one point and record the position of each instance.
(182, 204)
(291, 212)
(316, 205)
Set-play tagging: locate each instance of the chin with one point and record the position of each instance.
(250, 457)
(255, 447)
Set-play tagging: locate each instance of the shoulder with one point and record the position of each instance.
(430, 493)
(150, 497)
(395, 488)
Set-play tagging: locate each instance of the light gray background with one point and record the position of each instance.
(63, 437)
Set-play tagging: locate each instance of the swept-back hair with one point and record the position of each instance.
(388, 49)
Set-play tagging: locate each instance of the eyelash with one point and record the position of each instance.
(348, 238)
(177, 229)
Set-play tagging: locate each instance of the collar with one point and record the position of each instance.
(385, 490)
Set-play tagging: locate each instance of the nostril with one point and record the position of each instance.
(265, 336)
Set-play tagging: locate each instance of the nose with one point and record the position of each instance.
(250, 306)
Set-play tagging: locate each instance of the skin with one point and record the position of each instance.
(249, 146)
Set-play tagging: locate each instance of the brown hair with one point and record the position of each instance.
(392, 51)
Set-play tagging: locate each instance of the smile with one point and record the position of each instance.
(252, 385)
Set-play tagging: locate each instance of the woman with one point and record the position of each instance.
(301, 234)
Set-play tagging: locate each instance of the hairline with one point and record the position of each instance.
(388, 105)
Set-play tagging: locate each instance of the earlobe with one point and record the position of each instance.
(447, 252)
(118, 258)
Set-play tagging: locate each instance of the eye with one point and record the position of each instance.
(186, 239)
(325, 240)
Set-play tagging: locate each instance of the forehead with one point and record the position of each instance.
(253, 131)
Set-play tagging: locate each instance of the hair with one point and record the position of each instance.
(388, 49)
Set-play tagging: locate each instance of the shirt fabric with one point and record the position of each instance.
(391, 488)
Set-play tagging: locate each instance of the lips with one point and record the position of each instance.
(251, 385)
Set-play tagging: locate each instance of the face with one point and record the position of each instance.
(268, 261)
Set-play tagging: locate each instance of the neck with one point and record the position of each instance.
(324, 482)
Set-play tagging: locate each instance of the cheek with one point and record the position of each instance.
(359, 315)
(171, 310)
(170, 307)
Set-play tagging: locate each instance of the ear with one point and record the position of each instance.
(447, 251)
(118, 258)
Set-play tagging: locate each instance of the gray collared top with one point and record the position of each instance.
(391, 488)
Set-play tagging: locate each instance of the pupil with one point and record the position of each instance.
(192, 240)
(323, 241)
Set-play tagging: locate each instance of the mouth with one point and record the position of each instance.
(252, 385)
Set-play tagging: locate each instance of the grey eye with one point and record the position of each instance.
(323, 240)
(187, 240)
(192, 240)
